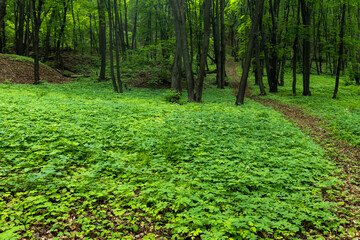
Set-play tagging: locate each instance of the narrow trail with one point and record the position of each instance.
(345, 156)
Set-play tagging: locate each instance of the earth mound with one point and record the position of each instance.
(19, 69)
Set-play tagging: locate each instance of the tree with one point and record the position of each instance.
(102, 39)
(2, 25)
(341, 49)
(205, 49)
(249, 50)
(181, 39)
(306, 17)
(37, 9)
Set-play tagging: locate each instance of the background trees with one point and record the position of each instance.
(176, 32)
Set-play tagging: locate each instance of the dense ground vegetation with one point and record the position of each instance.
(81, 160)
(78, 160)
(341, 114)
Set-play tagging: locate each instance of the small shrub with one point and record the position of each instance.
(172, 96)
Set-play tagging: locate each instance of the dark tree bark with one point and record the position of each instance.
(179, 22)
(47, 38)
(205, 50)
(223, 45)
(19, 27)
(295, 51)
(126, 25)
(2, 25)
(58, 58)
(37, 9)
(133, 42)
(102, 38)
(341, 49)
(259, 68)
(272, 56)
(306, 17)
(216, 34)
(117, 49)
(74, 27)
(110, 15)
(121, 31)
(27, 29)
(249, 50)
(357, 70)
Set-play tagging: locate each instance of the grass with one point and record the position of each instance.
(342, 114)
(78, 160)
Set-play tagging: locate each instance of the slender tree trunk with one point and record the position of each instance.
(249, 50)
(216, 33)
(205, 50)
(2, 25)
(19, 32)
(37, 9)
(126, 25)
(47, 38)
(179, 22)
(121, 31)
(188, 10)
(259, 67)
(91, 35)
(341, 49)
(306, 16)
(133, 42)
(223, 44)
(117, 48)
(74, 26)
(102, 38)
(27, 29)
(273, 59)
(357, 71)
(58, 58)
(110, 15)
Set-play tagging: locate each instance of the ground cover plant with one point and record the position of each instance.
(342, 113)
(77, 160)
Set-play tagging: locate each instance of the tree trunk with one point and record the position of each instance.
(74, 26)
(249, 50)
(102, 38)
(47, 38)
(216, 34)
(133, 42)
(179, 22)
(205, 49)
(37, 8)
(2, 25)
(341, 50)
(259, 72)
(110, 15)
(306, 16)
(58, 58)
(223, 44)
(19, 27)
(117, 48)
(126, 25)
(357, 71)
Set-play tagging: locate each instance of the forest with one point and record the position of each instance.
(180, 119)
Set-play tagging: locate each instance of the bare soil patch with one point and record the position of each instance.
(22, 71)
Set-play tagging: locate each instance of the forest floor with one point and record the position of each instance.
(16, 69)
(345, 156)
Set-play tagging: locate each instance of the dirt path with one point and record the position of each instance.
(346, 157)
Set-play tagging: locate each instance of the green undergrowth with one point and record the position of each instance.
(77, 160)
(343, 113)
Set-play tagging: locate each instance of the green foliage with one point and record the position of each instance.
(78, 160)
(172, 96)
(342, 114)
